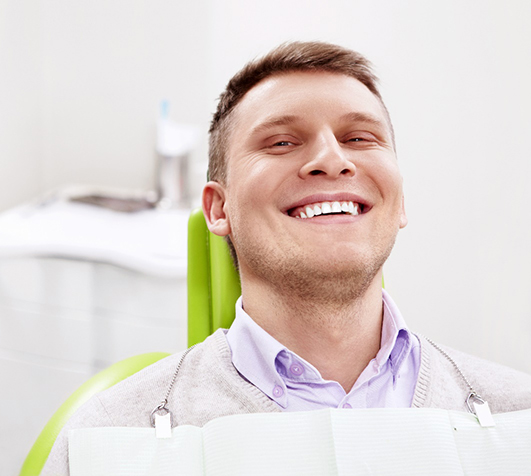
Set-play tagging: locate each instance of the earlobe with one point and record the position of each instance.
(403, 216)
(213, 202)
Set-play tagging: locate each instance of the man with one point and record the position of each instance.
(306, 187)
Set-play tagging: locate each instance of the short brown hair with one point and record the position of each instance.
(286, 58)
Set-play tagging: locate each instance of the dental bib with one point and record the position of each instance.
(331, 442)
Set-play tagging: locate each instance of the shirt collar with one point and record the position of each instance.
(264, 361)
(396, 338)
(254, 353)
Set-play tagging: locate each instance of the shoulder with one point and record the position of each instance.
(116, 406)
(207, 386)
(504, 388)
(128, 403)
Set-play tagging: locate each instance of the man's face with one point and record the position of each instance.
(303, 144)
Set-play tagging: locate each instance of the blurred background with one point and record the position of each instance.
(85, 88)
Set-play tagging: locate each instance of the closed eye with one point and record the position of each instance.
(363, 139)
(282, 143)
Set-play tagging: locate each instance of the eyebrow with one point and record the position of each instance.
(291, 119)
(274, 122)
(363, 117)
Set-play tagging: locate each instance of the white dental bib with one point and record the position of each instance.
(332, 442)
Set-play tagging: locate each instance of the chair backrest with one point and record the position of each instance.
(213, 282)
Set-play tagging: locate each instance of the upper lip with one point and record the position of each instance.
(328, 197)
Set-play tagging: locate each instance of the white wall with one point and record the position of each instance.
(81, 82)
(463, 118)
(20, 137)
(83, 86)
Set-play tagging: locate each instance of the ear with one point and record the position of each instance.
(403, 216)
(213, 202)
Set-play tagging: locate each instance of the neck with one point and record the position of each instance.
(339, 336)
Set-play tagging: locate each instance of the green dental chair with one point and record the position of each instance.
(213, 288)
(213, 283)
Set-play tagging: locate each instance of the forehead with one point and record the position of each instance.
(307, 95)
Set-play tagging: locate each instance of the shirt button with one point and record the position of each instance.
(296, 369)
(278, 391)
(347, 405)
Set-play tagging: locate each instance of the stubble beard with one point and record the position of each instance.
(310, 284)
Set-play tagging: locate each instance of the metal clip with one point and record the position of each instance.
(481, 410)
(161, 419)
(161, 407)
(473, 397)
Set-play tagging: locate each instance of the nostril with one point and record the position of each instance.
(316, 172)
(345, 171)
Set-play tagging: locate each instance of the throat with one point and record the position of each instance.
(339, 341)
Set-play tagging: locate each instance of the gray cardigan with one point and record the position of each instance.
(208, 386)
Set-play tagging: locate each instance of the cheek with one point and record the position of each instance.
(389, 181)
(245, 166)
(244, 204)
(256, 186)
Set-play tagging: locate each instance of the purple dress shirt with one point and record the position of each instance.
(388, 380)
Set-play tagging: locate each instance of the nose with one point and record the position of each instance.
(326, 157)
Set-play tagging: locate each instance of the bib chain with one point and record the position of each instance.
(161, 407)
(473, 395)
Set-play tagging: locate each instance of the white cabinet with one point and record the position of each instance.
(64, 319)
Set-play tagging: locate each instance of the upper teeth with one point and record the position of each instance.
(325, 208)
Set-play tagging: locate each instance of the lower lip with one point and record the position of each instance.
(330, 219)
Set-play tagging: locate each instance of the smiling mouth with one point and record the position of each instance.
(327, 208)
